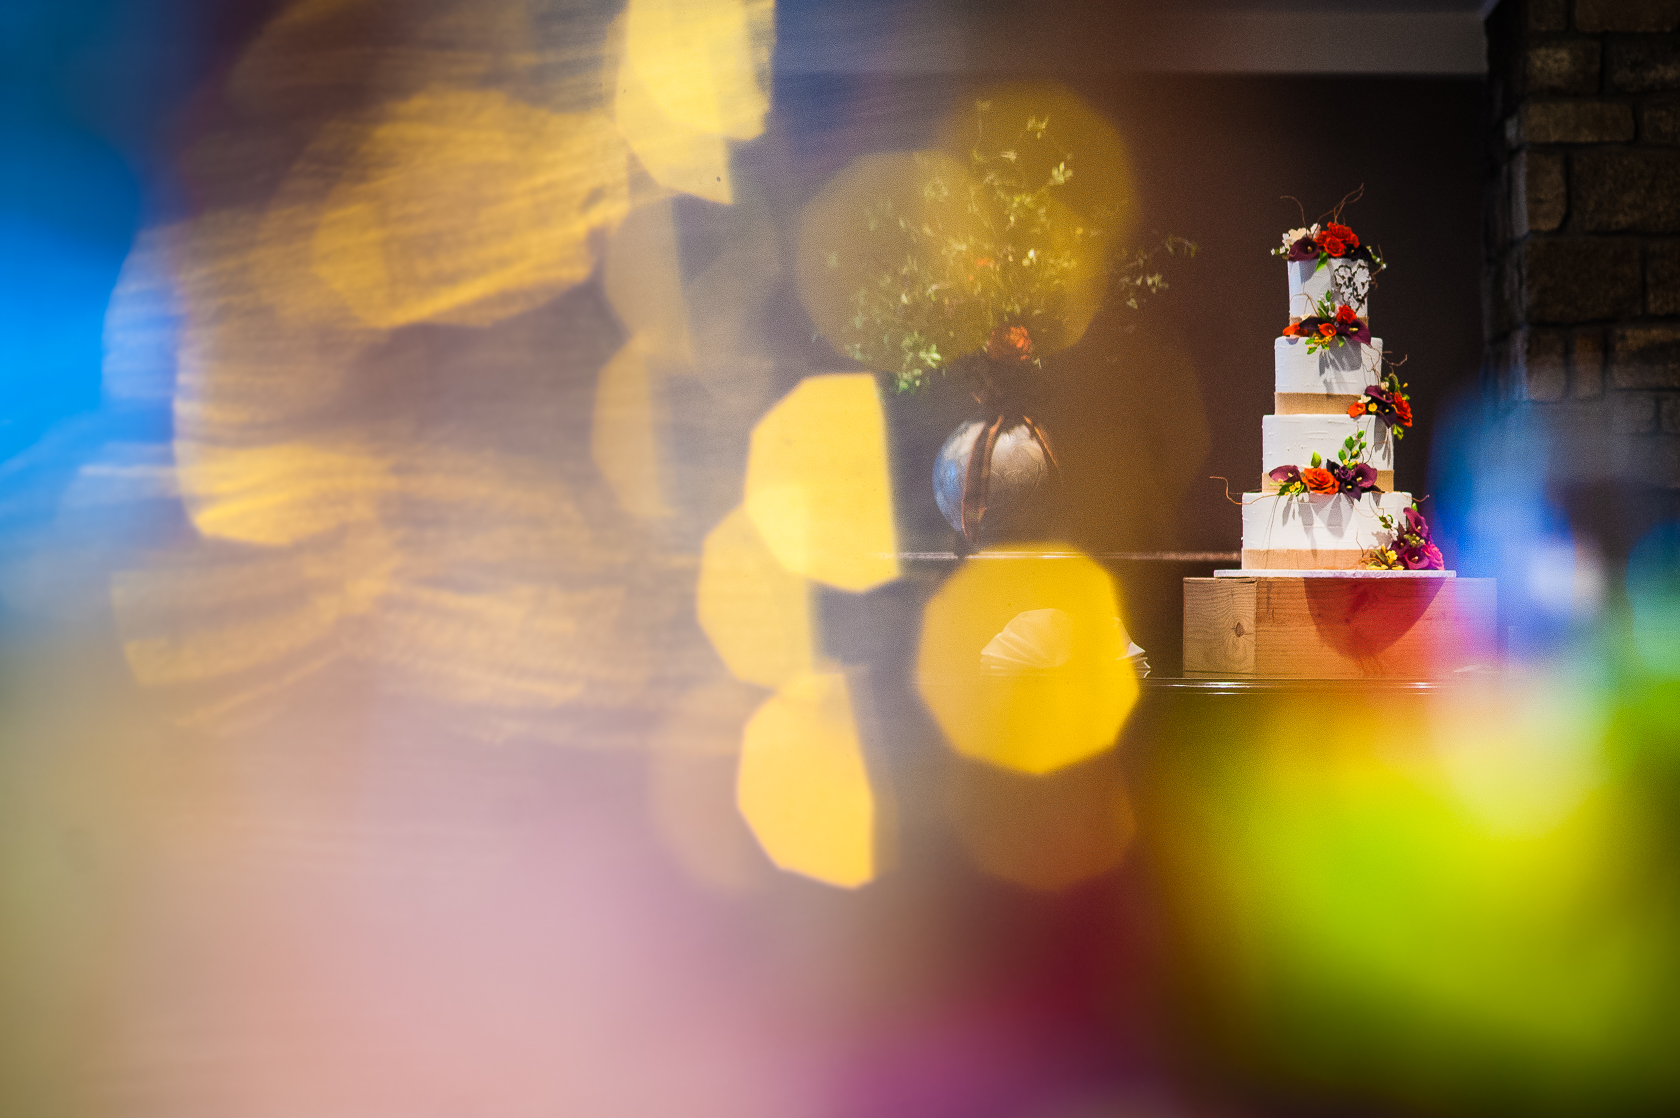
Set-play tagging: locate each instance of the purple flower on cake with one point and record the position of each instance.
(1330, 327)
(1356, 478)
(1286, 475)
(1413, 548)
(1422, 557)
(1298, 244)
(1387, 401)
(1417, 526)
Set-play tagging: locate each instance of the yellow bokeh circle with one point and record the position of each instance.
(1039, 708)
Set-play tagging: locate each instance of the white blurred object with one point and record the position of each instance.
(1034, 639)
(1133, 653)
(1566, 578)
(1041, 639)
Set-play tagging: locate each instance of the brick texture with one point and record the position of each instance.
(1582, 227)
(1644, 66)
(1581, 280)
(1548, 15)
(1662, 278)
(1659, 121)
(1545, 373)
(1568, 67)
(1540, 198)
(1586, 365)
(1575, 122)
(1621, 190)
(1626, 15)
(1504, 296)
(1645, 357)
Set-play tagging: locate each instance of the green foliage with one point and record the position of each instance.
(987, 249)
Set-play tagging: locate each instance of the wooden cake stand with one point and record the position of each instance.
(1338, 624)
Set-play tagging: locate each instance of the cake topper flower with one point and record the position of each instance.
(1329, 241)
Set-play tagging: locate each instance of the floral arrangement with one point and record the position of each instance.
(1332, 241)
(1348, 474)
(987, 266)
(1387, 401)
(1330, 327)
(1411, 549)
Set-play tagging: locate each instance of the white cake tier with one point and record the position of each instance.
(1290, 440)
(1308, 283)
(1335, 370)
(1313, 531)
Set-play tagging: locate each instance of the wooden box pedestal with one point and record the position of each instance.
(1337, 625)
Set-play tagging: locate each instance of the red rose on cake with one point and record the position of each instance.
(1403, 411)
(1337, 240)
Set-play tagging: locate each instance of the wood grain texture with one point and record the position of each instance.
(1311, 403)
(1332, 628)
(1219, 612)
(1301, 559)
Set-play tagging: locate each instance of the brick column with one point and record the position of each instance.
(1582, 278)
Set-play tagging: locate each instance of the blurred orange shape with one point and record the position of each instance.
(802, 785)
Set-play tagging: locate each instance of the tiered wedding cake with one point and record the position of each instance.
(1340, 578)
(1327, 454)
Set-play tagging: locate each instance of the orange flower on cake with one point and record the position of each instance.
(1319, 480)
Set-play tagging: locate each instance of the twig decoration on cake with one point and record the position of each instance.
(1350, 197)
(1228, 497)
